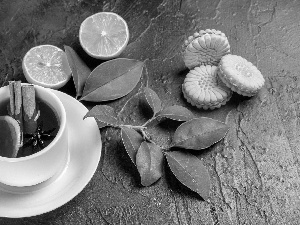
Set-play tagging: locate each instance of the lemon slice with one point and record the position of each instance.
(104, 35)
(47, 66)
(10, 137)
(203, 89)
(205, 48)
(240, 75)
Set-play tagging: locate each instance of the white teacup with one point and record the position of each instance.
(38, 167)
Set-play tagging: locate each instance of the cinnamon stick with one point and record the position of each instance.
(15, 104)
(18, 103)
(11, 108)
(30, 112)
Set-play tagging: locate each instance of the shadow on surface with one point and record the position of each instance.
(91, 62)
(125, 164)
(144, 108)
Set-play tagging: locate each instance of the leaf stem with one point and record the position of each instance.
(166, 148)
(149, 121)
(141, 130)
(137, 128)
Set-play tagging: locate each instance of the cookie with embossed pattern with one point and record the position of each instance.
(240, 75)
(205, 48)
(203, 89)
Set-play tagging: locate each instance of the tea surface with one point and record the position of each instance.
(47, 119)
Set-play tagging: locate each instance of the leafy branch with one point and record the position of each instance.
(194, 133)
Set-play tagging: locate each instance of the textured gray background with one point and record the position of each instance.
(254, 170)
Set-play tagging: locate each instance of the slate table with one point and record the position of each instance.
(254, 170)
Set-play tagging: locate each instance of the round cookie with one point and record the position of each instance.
(240, 75)
(205, 48)
(203, 89)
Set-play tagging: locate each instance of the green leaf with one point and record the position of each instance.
(149, 162)
(104, 115)
(80, 71)
(199, 133)
(176, 112)
(190, 171)
(112, 80)
(132, 141)
(153, 100)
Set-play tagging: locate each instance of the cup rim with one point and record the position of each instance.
(62, 125)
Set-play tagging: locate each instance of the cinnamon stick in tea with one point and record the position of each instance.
(11, 108)
(30, 112)
(15, 104)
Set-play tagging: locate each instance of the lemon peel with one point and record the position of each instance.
(10, 137)
(205, 47)
(240, 75)
(203, 89)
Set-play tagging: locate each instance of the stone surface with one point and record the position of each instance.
(254, 170)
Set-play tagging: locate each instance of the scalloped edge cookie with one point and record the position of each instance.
(205, 47)
(240, 75)
(203, 89)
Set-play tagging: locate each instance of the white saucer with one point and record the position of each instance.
(84, 155)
